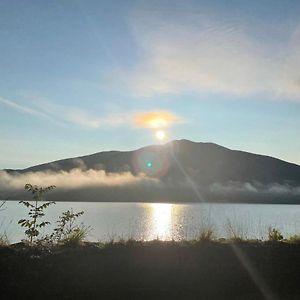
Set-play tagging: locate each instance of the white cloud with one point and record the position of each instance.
(22, 108)
(202, 54)
(75, 115)
(75, 178)
(63, 115)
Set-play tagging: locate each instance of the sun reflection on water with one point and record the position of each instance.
(161, 218)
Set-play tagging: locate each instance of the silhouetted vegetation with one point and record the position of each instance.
(36, 211)
(151, 270)
(3, 236)
(235, 232)
(206, 233)
(207, 267)
(274, 235)
(67, 231)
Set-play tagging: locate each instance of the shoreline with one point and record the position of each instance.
(168, 202)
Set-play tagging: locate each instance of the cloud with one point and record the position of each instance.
(83, 185)
(73, 179)
(64, 115)
(255, 189)
(74, 115)
(201, 53)
(98, 185)
(156, 119)
(23, 108)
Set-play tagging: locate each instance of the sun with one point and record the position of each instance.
(160, 135)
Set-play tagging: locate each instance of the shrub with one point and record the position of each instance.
(36, 211)
(3, 236)
(4, 240)
(67, 231)
(294, 238)
(274, 235)
(206, 234)
(76, 237)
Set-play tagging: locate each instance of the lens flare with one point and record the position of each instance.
(151, 161)
(156, 119)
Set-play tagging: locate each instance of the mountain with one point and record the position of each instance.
(186, 171)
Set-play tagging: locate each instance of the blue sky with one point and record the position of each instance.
(75, 76)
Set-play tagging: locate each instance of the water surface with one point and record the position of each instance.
(147, 221)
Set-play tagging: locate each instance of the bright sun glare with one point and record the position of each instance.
(160, 135)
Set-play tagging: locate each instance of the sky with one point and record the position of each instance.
(79, 77)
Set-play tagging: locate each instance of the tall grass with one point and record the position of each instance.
(236, 232)
(206, 233)
(3, 235)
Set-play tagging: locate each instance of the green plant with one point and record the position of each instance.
(206, 234)
(236, 232)
(3, 236)
(67, 231)
(36, 211)
(4, 239)
(294, 238)
(76, 237)
(274, 234)
(1, 205)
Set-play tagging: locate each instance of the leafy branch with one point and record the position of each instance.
(67, 231)
(36, 210)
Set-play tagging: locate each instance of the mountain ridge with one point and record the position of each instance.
(178, 171)
(144, 147)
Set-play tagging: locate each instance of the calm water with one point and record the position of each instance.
(148, 221)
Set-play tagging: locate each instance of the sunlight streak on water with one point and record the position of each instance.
(161, 221)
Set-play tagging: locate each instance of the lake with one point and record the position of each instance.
(148, 221)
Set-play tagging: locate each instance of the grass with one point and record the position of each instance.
(4, 241)
(206, 234)
(294, 239)
(130, 269)
(236, 232)
(75, 238)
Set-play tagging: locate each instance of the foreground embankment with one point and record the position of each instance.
(152, 270)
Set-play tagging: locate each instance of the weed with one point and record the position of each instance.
(76, 237)
(3, 240)
(294, 238)
(67, 231)
(206, 234)
(274, 235)
(36, 211)
(235, 233)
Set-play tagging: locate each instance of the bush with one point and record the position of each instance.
(4, 240)
(67, 231)
(294, 238)
(36, 211)
(3, 236)
(76, 237)
(206, 234)
(274, 235)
